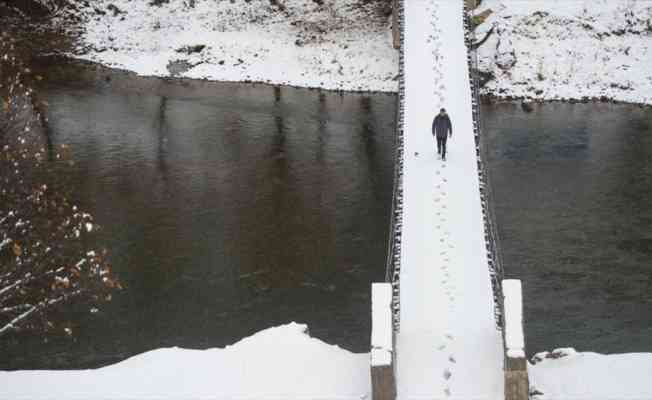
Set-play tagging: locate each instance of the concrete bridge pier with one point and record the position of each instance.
(383, 379)
(517, 386)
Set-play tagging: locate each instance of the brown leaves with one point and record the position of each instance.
(18, 250)
(47, 259)
(112, 283)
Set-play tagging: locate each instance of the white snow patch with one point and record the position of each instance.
(593, 376)
(4, 243)
(277, 363)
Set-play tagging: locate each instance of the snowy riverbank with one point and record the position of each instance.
(568, 375)
(562, 50)
(277, 363)
(284, 362)
(541, 49)
(343, 45)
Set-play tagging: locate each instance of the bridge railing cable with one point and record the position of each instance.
(393, 266)
(492, 240)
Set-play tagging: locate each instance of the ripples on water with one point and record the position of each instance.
(226, 208)
(231, 208)
(573, 198)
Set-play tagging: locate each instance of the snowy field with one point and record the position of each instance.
(569, 49)
(343, 44)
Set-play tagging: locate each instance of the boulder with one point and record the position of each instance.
(505, 56)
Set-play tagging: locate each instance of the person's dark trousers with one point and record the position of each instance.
(441, 146)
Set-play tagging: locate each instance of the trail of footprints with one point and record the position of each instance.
(447, 286)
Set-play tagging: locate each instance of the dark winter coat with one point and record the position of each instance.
(441, 126)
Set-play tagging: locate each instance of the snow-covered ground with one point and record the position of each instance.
(277, 363)
(568, 375)
(343, 44)
(569, 49)
(285, 363)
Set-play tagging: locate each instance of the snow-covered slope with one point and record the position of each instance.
(569, 49)
(566, 374)
(343, 44)
(277, 363)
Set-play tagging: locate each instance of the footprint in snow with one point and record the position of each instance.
(449, 336)
(447, 392)
(452, 359)
(441, 347)
(447, 374)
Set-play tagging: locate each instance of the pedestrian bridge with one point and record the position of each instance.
(443, 294)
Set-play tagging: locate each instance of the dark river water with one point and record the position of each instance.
(573, 199)
(226, 208)
(230, 208)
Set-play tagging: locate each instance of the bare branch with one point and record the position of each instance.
(41, 306)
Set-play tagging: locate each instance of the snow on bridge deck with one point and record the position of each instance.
(448, 346)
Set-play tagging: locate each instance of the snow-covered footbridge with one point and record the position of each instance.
(447, 301)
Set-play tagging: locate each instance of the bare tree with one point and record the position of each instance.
(46, 254)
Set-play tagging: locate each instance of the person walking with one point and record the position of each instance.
(442, 129)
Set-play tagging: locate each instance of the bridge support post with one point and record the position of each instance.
(517, 386)
(383, 380)
(396, 29)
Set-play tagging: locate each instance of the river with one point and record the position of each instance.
(572, 188)
(230, 208)
(226, 209)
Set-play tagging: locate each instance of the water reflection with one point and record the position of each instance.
(572, 186)
(227, 209)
